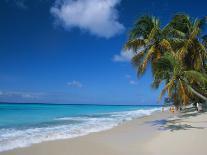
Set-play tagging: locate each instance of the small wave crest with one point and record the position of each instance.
(14, 138)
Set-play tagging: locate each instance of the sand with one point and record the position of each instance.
(158, 134)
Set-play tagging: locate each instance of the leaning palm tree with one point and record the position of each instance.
(180, 82)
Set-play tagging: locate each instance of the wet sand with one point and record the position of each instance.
(157, 134)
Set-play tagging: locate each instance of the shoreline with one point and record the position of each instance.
(148, 135)
(92, 125)
(123, 125)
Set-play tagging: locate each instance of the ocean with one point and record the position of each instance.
(24, 124)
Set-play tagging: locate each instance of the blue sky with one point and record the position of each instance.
(70, 51)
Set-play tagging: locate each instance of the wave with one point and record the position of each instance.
(11, 138)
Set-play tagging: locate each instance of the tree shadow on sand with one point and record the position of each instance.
(172, 125)
(189, 112)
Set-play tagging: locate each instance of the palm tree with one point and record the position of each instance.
(179, 80)
(177, 54)
(187, 33)
(144, 40)
(189, 46)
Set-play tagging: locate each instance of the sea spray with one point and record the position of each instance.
(65, 123)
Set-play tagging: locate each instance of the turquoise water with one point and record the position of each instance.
(24, 124)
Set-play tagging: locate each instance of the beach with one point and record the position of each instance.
(160, 133)
(103, 77)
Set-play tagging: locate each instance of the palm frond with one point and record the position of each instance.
(135, 44)
(166, 45)
(167, 87)
(181, 22)
(137, 59)
(143, 27)
(196, 76)
(147, 57)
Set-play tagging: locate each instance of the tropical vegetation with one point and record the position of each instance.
(176, 54)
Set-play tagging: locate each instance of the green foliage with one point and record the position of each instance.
(177, 54)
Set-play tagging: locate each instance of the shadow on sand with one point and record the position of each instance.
(178, 123)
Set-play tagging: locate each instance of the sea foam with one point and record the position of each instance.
(11, 138)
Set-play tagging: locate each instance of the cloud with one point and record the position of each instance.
(23, 95)
(98, 17)
(19, 3)
(43, 97)
(75, 83)
(124, 56)
(128, 76)
(130, 80)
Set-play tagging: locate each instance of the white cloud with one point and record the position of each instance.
(24, 95)
(19, 3)
(75, 83)
(130, 80)
(124, 56)
(99, 17)
(128, 76)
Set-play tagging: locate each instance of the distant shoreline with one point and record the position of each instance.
(82, 104)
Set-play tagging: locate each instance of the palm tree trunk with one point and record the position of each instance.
(197, 93)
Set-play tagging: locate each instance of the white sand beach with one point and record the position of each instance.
(157, 134)
(103, 77)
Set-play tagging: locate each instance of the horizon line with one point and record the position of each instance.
(81, 104)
